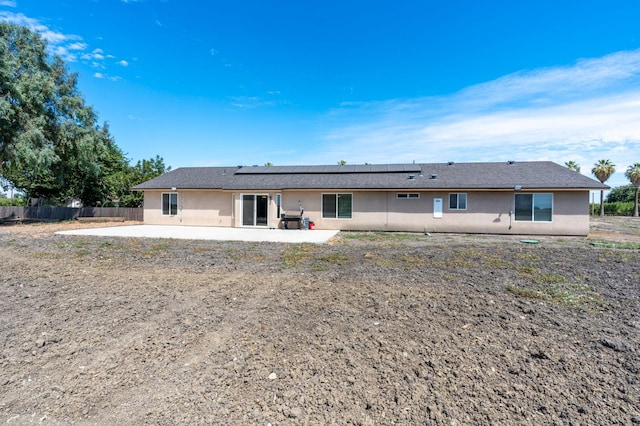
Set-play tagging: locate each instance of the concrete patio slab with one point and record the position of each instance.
(209, 233)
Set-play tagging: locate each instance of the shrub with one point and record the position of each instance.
(619, 208)
(19, 202)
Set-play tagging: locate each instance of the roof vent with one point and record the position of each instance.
(434, 176)
(411, 177)
(450, 163)
(510, 162)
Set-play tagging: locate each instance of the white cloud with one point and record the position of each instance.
(249, 102)
(123, 63)
(8, 3)
(77, 46)
(103, 76)
(583, 112)
(58, 43)
(69, 47)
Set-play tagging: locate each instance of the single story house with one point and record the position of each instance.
(535, 198)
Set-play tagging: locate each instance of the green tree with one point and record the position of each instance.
(572, 165)
(622, 194)
(342, 163)
(633, 174)
(50, 143)
(141, 172)
(603, 170)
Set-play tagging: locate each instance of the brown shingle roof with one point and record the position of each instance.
(533, 175)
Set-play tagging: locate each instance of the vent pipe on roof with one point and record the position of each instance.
(434, 176)
(510, 162)
(450, 163)
(411, 177)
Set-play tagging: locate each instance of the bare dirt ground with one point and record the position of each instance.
(370, 329)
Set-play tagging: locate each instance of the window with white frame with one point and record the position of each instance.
(534, 207)
(278, 205)
(457, 201)
(408, 195)
(337, 206)
(170, 204)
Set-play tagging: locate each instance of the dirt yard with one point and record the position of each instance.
(370, 329)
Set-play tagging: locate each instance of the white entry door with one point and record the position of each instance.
(437, 208)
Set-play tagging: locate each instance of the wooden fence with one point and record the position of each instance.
(68, 213)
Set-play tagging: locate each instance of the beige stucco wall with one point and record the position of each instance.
(200, 208)
(487, 212)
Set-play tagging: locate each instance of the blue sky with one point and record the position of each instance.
(301, 82)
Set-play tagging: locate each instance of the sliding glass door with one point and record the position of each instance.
(255, 208)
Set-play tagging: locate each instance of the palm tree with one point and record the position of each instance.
(572, 165)
(603, 170)
(633, 174)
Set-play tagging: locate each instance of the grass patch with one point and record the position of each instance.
(83, 252)
(156, 249)
(563, 293)
(450, 278)
(624, 245)
(381, 236)
(74, 244)
(334, 258)
(468, 258)
(411, 260)
(202, 249)
(383, 262)
(530, 256)
(296, 254)
(325, 261)
(525, 292)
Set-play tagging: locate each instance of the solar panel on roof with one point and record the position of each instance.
(355, 168)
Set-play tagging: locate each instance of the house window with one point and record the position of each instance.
(170, 204)
(534, 207)
(458, 201)
(337, 206)
(278, 205)
(408, 195)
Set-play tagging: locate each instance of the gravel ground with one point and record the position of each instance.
(369, 329)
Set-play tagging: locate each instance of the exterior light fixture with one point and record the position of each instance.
(517, 188)
(173, 188)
